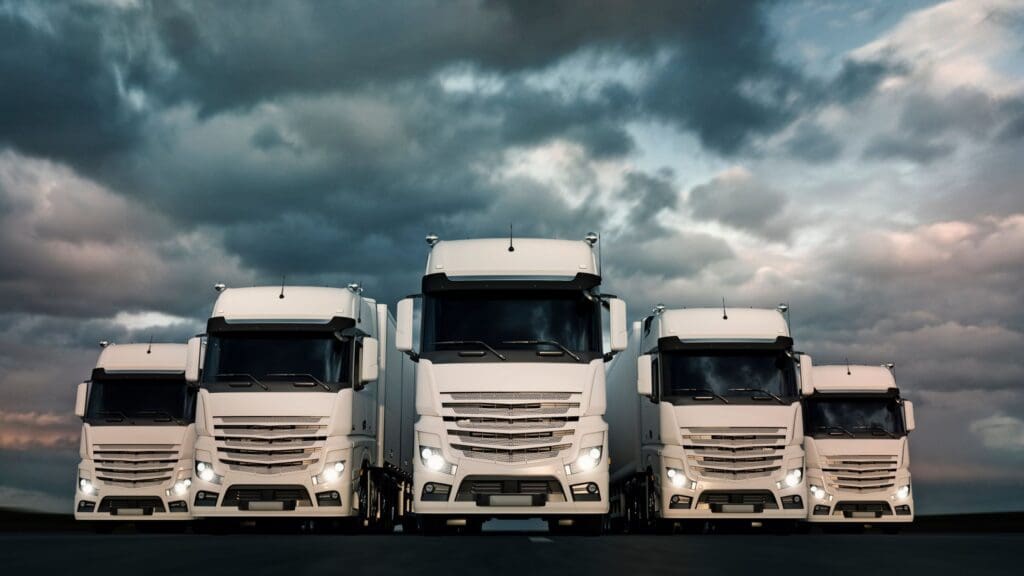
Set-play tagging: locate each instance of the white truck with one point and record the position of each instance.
(705, 421)
(511, 383)
(858, 457)
(137, 436)
(304, 410)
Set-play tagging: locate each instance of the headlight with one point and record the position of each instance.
(679, 480)
(205, 472)
(180, 487)
(903, 492)
(792, 479)
(86, 486)
(817, 491)
(433, 460)
(332, 472)
(588, 459)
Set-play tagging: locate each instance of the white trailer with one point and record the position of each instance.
(511, 383)
(137, 436)
(856, 429)
(304, 411)
(705, 420)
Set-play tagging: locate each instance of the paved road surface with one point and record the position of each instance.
(512, 553)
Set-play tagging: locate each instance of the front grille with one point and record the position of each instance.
(734, 453)
(135, 465)
(269, 444)
(511, 427)
(145, 506)
(860, 473)
(243, 496)
(722, 500)
(474, 486)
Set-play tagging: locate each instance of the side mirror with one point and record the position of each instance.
(806, 375)
(644, 383)
(403, 328)
(908, 415)
(619, 335)
(193, 358)
(80, 397)
(368, 366)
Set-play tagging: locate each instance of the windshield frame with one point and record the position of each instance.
(101, 378)
(339, 328)
(889, 396)
(512, 289)
(789, 392)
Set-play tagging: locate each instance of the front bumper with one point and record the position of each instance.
(509, 480)
(114, 502)
(716, 499)
(242, 494)
(839, 507)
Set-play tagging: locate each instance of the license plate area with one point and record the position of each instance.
(738, 508)
(857, 514)
(524, 500)
(271, 506)
(130, 512)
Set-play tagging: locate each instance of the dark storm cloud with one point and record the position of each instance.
(62, 93)
(899, 147)
(813, 144)
(737, 199)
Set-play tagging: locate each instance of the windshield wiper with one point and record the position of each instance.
(314, 379)
(555, 343)
(829, 429)
(875, 428)
(710, 393)
(250, 379)
(480, 343)
(760, 391)
(121, 416)
(162, 413)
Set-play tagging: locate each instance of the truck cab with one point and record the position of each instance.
(138, 431)
(706, 420)
(856, 428)
(511, 383)
(302, 413)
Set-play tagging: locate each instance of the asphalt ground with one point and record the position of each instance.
(504, 552)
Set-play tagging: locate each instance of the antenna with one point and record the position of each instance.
(848, 373)
(725, 315)
(149, 350)
(511, 248)
(281, 295)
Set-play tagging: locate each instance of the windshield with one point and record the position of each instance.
(728, 377)
(284, 361)
(520, 325)
(140, 400)
(858, 417)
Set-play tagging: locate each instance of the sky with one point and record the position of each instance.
(861, 161)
